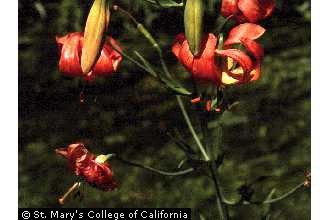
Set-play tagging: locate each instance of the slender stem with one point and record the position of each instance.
(268, 199)
(220, 205)
(191, 129)
(222, 209)
(165, 173)
(285, 195)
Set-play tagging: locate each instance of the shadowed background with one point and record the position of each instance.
(268, 134)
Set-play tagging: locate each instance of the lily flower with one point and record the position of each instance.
(94, 170)
(71, 49)
(247, 10)
(235, 66)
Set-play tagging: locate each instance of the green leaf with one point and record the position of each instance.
(169, 83)
(146, 64)
(175, 86)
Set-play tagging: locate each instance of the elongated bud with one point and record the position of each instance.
(96, 24)
(193, 24)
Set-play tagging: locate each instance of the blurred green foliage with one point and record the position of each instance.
(268, 134)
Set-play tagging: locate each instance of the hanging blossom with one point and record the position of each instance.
(235, 67)
(71, 49)
(94, 170)
(247, 10)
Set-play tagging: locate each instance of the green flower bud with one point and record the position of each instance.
(193, 24)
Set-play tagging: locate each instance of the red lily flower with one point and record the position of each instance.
(93, 169)
(71, 48)
(247, 10)
(205, 68)
(249, 68)
(202, 66)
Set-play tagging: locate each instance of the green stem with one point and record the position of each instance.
(285, 195)
(222, 209)
(191, 128)
(161, 172)
(220, 204)
(268, 199)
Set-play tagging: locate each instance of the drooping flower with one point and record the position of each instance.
(247, 10)
(239, 66)
(71, 48)
(235, 66)
(94, 170)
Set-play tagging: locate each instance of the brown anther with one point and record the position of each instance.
(208, 105)
(196, 100)
(70, 190)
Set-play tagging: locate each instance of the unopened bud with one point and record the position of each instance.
(96, 24)
(193, 24)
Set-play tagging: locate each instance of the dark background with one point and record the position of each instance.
(268, 134)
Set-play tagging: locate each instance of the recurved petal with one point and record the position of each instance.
(186, 57)
(109, 59)
(62, 151)
(99, 175)
(254, 48)
(70, 45)
(177, 44)
(244, 60)
(269, 6)
(246, 30)
(256, 72)
(252, 9)
(229, 7)
(204, 65)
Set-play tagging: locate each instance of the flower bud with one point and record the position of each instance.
(193, 24)
(96, 24)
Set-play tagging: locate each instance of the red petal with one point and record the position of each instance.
(62, 151)
(269, 6)
(239, 56)
(177, 44)
(256, 73)
(109, 59)
(252, 10)
(182, 51)
(246, 30)
(255, 10)
(229, 7)
(99, 175)
(202, 67)
(70, 45)
(254, 48)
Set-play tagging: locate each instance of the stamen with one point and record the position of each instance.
(195, 100)
(71, 189)
(208, 105)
